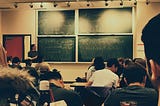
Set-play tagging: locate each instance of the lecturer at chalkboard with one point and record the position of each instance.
(33, 53)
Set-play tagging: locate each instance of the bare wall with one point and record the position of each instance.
(143, 14)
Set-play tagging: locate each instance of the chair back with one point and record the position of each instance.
(100, 91)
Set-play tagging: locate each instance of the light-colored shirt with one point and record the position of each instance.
(104, 77)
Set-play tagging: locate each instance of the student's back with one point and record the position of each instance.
(135, 77)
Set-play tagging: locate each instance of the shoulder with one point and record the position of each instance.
(151, 91)
(112, 73)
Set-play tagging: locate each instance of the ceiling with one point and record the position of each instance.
(10, 4)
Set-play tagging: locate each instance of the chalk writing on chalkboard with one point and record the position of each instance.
(106, 46)
(57, 49)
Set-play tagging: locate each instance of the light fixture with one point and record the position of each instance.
(135, 2)
(55, 4)
(31, 5)
(106, 2)
(121, 2)
(15, 5)
(88, 4)
(68, 4)
(147, 2)
(41, 5)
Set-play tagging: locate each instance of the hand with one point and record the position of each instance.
(155, 78)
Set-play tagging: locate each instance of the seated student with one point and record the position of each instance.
(16, 63)
(59, 92)
(33, 53)
(104, 76)
(126, 62)
(135, 77)
(142, 62)
(31, 70)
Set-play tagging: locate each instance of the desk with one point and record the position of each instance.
(78, 84)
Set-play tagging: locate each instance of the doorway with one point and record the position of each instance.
(17, 45)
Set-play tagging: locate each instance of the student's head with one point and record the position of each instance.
(54, 76)
(16, 60)
(99, 63)
(151, 39)
(135, 73)
(121, 60)
(28, 62)
(113, 64)
(13, 81)
(140, 61)
(126, 62)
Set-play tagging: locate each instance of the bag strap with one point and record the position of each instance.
(51, 95)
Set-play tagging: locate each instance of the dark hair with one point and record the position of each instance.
(112, 61)
(28, 62)
(99, 63)
(16, 60)
(32, 45)
(54, 74)
(127, 61)
(140, 61)
(121, 60)
(9, 58)
(134, 73)
(150, 38)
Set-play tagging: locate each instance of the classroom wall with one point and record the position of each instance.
(143, 14)
(19, 22)
(24, 22)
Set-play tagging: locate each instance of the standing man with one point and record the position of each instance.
(33, 54)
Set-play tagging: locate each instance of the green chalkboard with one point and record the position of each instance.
(57, 49)
(56, 22)
(90, 46)
(105, 20)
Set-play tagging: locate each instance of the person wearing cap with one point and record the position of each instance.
(151, 39)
